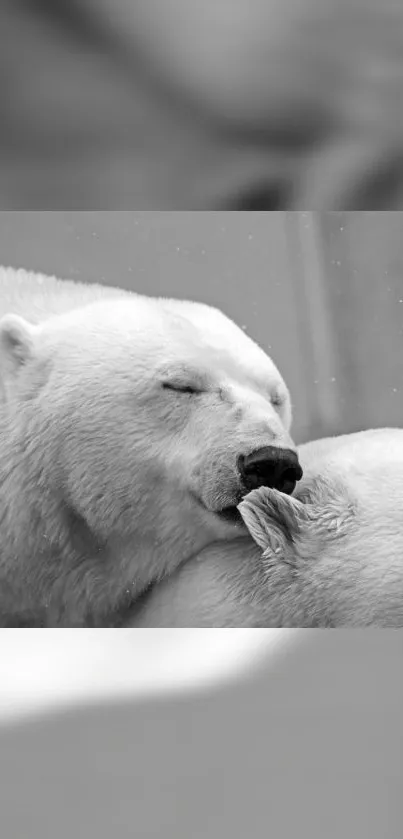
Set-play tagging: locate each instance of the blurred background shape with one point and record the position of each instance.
(194, 104)
(52, 671)
(321, 293)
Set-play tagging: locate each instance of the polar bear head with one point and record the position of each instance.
(131, 430)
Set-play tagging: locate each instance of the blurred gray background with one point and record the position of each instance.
(308, 744)
(199, 104)
(322, 293)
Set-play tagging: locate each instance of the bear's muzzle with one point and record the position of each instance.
(271, 467)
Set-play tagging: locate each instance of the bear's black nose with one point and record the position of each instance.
(270, 467)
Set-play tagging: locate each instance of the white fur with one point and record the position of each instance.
(107, 480)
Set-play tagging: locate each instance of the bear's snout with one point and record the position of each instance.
(272, 467)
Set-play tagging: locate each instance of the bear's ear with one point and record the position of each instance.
(17, 341)
(273, 518)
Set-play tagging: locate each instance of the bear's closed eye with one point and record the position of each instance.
(181, 388)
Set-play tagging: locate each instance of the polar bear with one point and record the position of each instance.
(130, 429)
(329, 556)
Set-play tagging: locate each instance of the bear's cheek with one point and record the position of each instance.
(188, 441)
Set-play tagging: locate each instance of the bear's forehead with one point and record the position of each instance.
(164, 330)
(216, 332)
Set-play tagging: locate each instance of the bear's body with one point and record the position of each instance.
(333, 553)
(122, 420)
